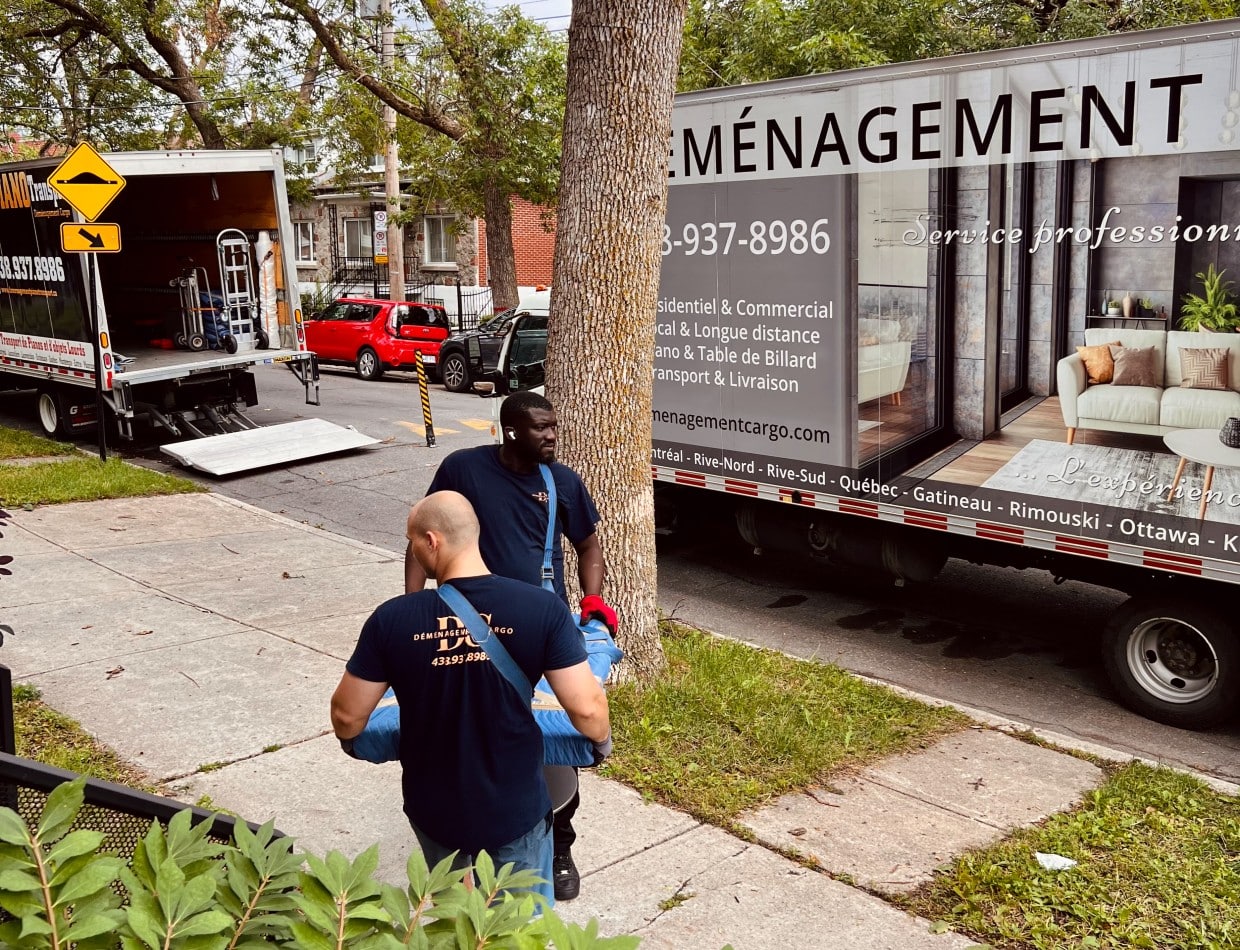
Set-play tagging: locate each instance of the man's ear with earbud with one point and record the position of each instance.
(511, 433)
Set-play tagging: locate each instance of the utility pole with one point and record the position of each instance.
(391, 166)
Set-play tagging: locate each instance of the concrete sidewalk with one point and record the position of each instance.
(201, 638)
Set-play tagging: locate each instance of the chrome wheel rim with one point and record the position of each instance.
(49, 417)
(453, 372)
(367, 362)
(1172, 660)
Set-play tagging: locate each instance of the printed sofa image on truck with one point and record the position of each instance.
(1150, 382)
(882, 359)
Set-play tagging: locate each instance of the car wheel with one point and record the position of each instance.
(1174, 661)
(52, 413)
(455, 373)
(368, 365)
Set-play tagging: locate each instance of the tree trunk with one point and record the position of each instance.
(622, 65)
(501, 257)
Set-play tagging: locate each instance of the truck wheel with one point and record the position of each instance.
(368, 365)
(197, 342)
(455, 373)
(230, 343)
(262, 340)
(1174, 661)
(52, 413)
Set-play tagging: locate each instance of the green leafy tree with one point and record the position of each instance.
(728, 42)
(139, 74)
(479, 98)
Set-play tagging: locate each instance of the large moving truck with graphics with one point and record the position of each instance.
(938, 309)
(193, 285)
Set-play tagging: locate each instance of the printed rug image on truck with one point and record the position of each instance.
(1124, 478)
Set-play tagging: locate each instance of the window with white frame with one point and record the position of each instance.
(306, 156)
(358, 237)
(440, 239)
(304, 233)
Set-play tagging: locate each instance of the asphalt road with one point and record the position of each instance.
(1007, 642)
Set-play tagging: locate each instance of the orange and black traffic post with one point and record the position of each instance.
(424, 392)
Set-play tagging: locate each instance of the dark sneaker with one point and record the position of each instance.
(567, 880)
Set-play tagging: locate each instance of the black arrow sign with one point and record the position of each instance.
(96, 240)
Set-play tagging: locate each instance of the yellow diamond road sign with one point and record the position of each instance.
(98, 238)
(86, 181)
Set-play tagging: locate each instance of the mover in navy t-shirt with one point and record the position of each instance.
(470, 750)
(512, 509)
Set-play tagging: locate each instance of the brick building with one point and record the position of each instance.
(533, 240)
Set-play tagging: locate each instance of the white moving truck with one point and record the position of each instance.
(202, 289)
(875, 289)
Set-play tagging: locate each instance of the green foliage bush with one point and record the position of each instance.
(183, 891)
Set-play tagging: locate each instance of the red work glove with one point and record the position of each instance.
(594, 607)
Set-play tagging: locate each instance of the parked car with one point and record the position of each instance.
(378, 335)
(470, 356)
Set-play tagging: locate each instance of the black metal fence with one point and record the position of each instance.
(123, 814)
(349, 274)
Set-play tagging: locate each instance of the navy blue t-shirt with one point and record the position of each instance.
(512, 510)
(471, 754)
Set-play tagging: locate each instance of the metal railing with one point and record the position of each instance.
(123, 814)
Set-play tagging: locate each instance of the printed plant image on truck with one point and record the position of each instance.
(954, 309)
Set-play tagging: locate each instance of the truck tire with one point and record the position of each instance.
(368, 365)
(52, 415)
(455, 373)
(1174, 661)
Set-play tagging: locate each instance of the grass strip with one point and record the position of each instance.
(19, 444)
(54, 739)
(730, 726)
(1158, 857)
(85, 479)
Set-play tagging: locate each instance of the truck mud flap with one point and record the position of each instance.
(269, 445)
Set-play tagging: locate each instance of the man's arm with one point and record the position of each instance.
(583, 699)
(352, 703)
(591, 568)
(415, 577)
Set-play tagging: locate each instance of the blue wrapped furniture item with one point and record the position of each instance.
(562, 744)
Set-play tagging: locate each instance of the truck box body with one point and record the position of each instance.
(171, 210)
(874, 285)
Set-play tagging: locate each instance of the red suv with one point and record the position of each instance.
(378, 335)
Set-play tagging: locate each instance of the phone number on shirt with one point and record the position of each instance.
(458, 658)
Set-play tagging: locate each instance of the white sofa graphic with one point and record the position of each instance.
(1149, 410)
(882, 359)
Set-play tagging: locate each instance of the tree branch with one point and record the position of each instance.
(445, 125)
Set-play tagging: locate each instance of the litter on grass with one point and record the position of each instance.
(1054, 862)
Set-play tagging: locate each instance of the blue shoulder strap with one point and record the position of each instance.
(548, 572)
(482, 635)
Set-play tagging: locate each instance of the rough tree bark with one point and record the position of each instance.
(623, 57)
(501, 256)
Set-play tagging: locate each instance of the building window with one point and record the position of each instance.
(440, 239)
(304, 232)
(305, 156)
(358, 234)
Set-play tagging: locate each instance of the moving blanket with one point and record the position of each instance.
(562, 744)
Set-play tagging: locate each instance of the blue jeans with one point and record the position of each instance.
(530, 852)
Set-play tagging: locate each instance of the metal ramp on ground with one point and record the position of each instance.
(267, 445)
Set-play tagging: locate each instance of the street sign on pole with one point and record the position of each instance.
(86, 181)
(78, 238)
